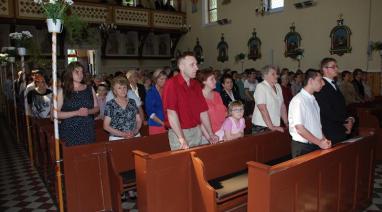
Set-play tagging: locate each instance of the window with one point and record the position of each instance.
(212, 11)
(172, 3)
(275, 4)
(72, 55)
(129, 3)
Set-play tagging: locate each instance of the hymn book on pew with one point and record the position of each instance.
(352, 140)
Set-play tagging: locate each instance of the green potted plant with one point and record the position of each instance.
(22, 41)
(11, 54)
(55, 11)
(75, 29)
(3, 58)
(240, 58)
(377, 46)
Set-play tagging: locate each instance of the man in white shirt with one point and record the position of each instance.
(304, 117)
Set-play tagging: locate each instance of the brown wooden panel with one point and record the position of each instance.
(365, 175)
(86, 178)
(324, 180)
(329, 187)
(284, 198)
(307, 192)
(348, 179)
(165, 182)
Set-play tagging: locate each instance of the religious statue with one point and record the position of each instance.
(340, 36)
(222, 50)
(292, 43)
(198, 52)
(254, 44)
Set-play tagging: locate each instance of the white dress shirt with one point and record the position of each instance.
(304, 110)
(330, 82)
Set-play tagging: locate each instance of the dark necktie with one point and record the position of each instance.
(335, 85)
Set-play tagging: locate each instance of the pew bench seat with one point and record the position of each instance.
(128, 179)
(230, 186)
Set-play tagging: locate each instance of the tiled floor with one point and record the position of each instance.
(21, 188)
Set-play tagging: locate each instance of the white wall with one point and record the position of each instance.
(314, 24)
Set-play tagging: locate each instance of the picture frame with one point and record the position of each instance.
(254, 46)
(340, 38)
(292, 42)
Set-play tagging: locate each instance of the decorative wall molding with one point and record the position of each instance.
(27, 9)
(100, 13)
(168, 20)
(4, 8)
(92, 14)
(134, 17)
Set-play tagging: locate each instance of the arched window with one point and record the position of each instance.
(212, 11)
(275, 4)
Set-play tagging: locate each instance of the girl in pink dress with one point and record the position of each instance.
(234, 124)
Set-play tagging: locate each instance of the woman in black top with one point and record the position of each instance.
(77, 104)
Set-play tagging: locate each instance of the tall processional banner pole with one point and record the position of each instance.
(54, 32)
(22, 52)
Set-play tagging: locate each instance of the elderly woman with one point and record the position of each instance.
(270, 105)
(122, 118)
(216, 109)
(153, 103)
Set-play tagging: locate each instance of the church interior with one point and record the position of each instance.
(57, 153)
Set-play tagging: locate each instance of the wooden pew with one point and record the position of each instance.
(368, 119)
(86, 177)
(40, 145)
(337, 179)
(167, 181)
(121, 162)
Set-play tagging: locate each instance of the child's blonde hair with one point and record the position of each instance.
(233, 104)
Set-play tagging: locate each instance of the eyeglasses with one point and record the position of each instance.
(332, 67)
(237, 110)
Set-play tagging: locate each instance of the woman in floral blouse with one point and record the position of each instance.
(122, 118)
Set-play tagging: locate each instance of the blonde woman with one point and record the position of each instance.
(121, 117)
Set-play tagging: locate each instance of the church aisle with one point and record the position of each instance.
(21, 188)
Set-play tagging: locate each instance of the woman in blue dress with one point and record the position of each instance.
(153, 103)
(77, 104)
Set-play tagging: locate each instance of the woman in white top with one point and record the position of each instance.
(270, 107)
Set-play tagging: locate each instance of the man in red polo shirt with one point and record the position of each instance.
(185, 108)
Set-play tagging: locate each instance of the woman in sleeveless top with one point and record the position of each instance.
(77, 104)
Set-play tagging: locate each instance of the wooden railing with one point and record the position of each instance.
(99, 13)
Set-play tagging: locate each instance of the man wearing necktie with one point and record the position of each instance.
(336, 124)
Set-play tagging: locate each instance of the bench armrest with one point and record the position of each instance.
(208, 193)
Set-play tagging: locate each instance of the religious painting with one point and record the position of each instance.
(222, 50)
(131, 43)
(149, 47)
(254, 47)
(292, 43)
(340, 37)
(164, 45)
(113, 44)
(198, 52)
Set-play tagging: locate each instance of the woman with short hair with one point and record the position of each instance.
(153, 103)
(270, 107)
(121, 118)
